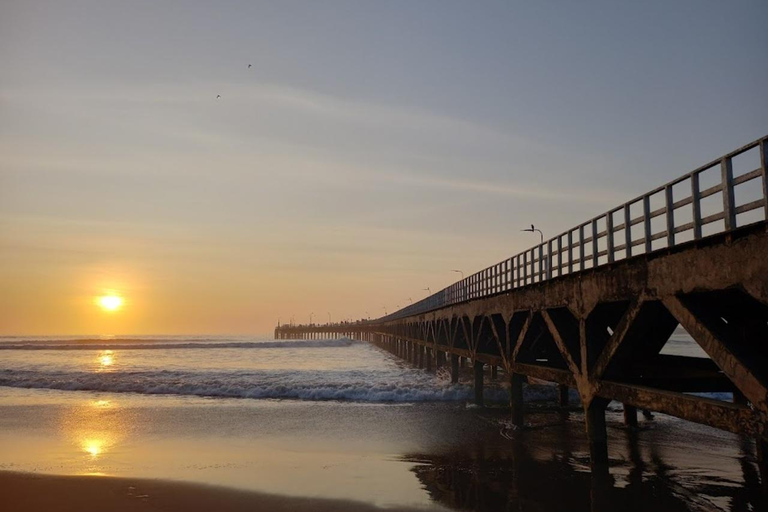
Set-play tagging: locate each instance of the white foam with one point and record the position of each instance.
(301, 385)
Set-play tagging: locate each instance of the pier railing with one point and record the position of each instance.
(709, 200)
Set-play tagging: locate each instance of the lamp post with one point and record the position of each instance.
(385, 310)
(460, 272)
(543, 260)
(533, 229)
(428, 290)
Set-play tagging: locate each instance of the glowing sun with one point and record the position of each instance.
(110, 302)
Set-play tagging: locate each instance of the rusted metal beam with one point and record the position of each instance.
(616, 339)
(545, 373)
(560, 343)
(739, 374)
(723, 415)
(521, 337)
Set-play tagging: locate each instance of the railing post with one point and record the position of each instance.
(541, 262)
(670, 216)
(729, 212)
(609, 235)
(627, 231)
(559, 255)
(533, 266)
(647, 222)
(570, 252)
(594, 243)
(525, 268)
(764, 167)
(548, 260)
(581, 247)
(696, 203)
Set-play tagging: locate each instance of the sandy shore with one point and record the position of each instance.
(48, 493)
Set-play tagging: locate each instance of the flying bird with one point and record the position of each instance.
(249, 66)
(218, 96)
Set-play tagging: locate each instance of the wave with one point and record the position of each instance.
(142, 344)
(360, 386)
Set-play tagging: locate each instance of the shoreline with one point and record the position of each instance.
(32, 492)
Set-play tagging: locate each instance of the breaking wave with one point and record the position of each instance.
(144, 344)
(287, 384)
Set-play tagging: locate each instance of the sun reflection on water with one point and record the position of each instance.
(93, 447)
(105, 360)
(95, 428)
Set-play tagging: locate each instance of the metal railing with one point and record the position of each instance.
(684, 209)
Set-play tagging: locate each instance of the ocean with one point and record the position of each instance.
(335, 419)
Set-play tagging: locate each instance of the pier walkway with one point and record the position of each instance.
(592, 309)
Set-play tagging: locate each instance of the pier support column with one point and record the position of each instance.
(479, 375)
(516, 399)
(429, 355)
(761, 446)
(454, 368)
(439, 358)
(420, 355)
(597, 434)
(494, 372)
(562, 395)
(630, 415)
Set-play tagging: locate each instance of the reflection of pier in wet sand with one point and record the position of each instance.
(544, 469)
(593, 308)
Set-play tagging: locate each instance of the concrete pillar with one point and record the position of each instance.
(562, 395)
(439, 359)
(516, 402)
(494, 372)
(630, 415)
(761, 447)
(597, 434)
(479, 374)
(454, 368)
(420, 355)
(428, 359)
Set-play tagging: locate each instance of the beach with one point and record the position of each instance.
(352, 429)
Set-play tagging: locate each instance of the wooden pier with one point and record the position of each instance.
(592, 309)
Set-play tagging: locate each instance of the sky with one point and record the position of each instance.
(370, 149)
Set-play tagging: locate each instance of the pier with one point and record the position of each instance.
(592, 309)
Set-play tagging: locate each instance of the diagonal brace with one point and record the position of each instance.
(615, 341)
(754, 390)
(560, 343)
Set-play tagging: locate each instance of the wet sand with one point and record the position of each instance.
(50, 493)
(429, 456)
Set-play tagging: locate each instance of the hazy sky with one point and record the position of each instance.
(371, 148)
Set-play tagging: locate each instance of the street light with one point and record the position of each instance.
(410, 299)
(385, 310)
(428, 290)
(460, 272)
(533, 230)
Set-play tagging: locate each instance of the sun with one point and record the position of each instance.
(110, 302)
